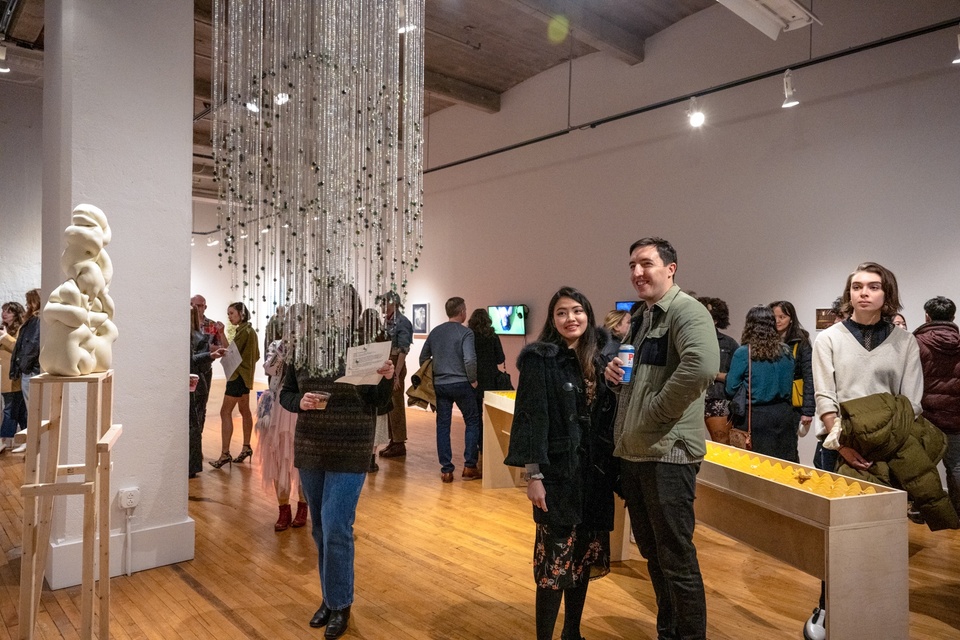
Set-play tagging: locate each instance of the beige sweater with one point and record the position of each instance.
(843, 370)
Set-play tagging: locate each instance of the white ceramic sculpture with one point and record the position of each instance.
(78, 330)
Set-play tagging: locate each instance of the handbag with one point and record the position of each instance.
(265, 410)
(738, 437)
(502, 382)
(796, 397)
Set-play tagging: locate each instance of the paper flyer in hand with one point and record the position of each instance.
(363, 362)
(230, 360)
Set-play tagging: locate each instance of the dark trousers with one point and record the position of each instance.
(659, 497)
(14, 414)
(397, 418)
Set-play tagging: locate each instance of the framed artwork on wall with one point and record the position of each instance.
(420, 317)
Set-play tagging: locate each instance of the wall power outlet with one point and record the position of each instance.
(128, 498)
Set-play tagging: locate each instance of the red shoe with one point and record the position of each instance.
(301, 518)
(283, 522)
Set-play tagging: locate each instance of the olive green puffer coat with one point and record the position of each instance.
(905, 452)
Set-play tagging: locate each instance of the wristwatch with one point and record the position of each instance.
(535, 476)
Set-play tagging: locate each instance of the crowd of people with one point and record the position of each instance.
(882, 402)
(885, 404)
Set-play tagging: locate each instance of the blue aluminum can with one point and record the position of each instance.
(626, 354)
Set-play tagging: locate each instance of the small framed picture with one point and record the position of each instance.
(825, 319)
(420, 319)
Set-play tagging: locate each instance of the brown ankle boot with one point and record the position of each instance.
(283, 522)
(301, 518)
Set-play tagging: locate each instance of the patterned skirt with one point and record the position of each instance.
(566, 558)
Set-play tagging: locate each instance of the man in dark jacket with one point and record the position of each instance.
(939, 341)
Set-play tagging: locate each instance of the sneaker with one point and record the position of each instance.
(19, 448)
(394, 450)
(815, 629)
(914, 515)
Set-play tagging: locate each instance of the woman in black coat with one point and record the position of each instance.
(562, 434)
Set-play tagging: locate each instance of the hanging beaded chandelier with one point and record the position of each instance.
(317, 145)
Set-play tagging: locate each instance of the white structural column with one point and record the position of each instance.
(117, 133)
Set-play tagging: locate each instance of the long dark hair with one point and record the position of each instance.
(795, 331)
(33, 304)
(18, 317)
(760, 332)
(586, 348)
(480, 323)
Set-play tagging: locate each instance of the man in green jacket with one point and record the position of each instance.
(659, 432)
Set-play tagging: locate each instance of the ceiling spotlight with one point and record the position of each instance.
(192, 241)
(694, 114)
(4, 67)
(407, 28)
(789, 100)
(212, 242)
(957, 59)
(281, 98)
(252, 107)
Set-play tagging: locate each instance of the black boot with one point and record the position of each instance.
(337, 626)
(321, 617)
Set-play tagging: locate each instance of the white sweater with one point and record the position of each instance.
(843, 370)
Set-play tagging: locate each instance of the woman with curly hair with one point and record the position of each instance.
(562, 433)
(771, 367)
(716, 413)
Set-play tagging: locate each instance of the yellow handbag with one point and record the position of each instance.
(797, 398)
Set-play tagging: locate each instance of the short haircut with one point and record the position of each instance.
(888, 282)
(666, 251)
(940, 309)
(455, 306)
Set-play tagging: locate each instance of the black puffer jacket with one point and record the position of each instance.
(939, 344)
(572, 442)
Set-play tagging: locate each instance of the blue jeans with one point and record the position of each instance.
(332, 497)
(659, 497)
(25, 387)
(951, 462)
(464, 395)
(825, 459)
(14, 414)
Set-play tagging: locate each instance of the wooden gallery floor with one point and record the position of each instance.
(433, 561)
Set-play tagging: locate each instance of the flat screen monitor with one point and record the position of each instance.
(509, 319)
(625, 305)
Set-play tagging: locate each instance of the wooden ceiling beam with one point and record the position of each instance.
(587, 27)
(27, 23)
(461, 92)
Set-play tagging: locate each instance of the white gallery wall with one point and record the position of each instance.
(21, 127)
(762, 203)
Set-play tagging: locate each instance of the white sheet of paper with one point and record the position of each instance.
(363, 362)
(231, 360)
